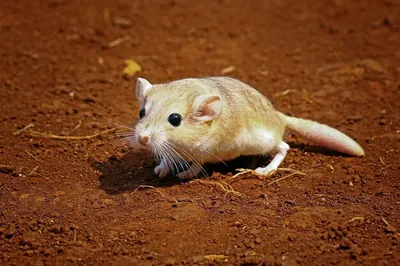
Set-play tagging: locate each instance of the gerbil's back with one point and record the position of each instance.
(245, 102)
(243, 106)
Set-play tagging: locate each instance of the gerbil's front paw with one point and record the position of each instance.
(190, 173)
(162, 170)
(265, 171)
(185, 175)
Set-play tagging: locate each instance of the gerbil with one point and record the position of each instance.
(190, 122)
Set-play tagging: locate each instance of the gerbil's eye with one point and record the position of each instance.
(142, 113)
(175, 119)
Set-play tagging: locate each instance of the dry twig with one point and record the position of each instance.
(36, 134)
(386, 222)
(77, 126)
(156, 189)
(18, 132)
(227, 188)
(356, 219)
(33, 170)
(117, 42)
(243, 171)
(30, 154)
(215, 257)
(295, 172)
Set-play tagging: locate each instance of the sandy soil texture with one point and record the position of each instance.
(94, 201)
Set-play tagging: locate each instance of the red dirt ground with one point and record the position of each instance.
(75, 201)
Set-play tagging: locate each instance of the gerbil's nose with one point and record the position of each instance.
(143, 140)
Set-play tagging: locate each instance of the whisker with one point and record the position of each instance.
(219, 159)
(203, 171)
(177, 150)
(117, 121)
(120, 108)
(212, 154)
(109, 121)
(169, 157)
(183, 162)
(127, 140)
(124, 134)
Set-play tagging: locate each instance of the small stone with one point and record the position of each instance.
(108, 202)
(10, 233)
(142, 241)
(356, 179)
(354, 118)
(57, 229)
(47, 252)
(227, 70)
(258, 240)
(170, 262)
(122, 23)
(290, 202)
(390, 229)
(127, 77)
(80, 243)
(74, 227)
(254, 231)
(8, 82)
(197, 259)
(389, 21)
(29, 253)
(34, 245)
(373, 65)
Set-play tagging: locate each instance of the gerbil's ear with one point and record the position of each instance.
(142, 88)
(207, 107)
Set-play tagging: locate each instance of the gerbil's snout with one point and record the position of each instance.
(143, 140)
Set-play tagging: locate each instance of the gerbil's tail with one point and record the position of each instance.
(323, 135)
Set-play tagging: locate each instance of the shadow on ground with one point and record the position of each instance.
(133, 169)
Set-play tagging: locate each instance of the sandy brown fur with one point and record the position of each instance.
(246, 123)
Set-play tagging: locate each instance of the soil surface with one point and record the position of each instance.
(95, 201)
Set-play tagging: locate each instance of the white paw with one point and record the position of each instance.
(161, 170)
(265, 170)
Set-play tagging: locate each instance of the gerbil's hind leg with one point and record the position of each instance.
(282, 149)
(190, 173)
(162, 170)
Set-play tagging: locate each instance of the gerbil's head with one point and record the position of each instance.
(175, 117)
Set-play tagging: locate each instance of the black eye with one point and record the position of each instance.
(175, 119)
(142, 113)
